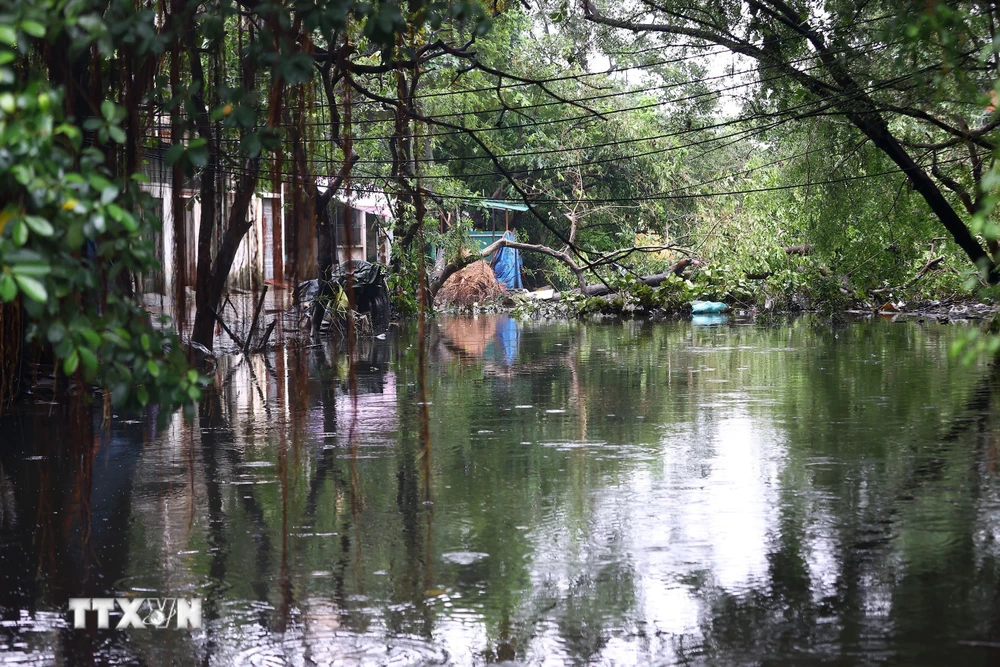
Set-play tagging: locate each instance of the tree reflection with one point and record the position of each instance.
(620, 493)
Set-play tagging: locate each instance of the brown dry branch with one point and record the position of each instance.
(927, 268)
(225, 327)
(803, 249)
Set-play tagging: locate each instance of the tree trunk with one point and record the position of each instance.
(844, 95)
(654, 280)
(209, 293)
(880, 135)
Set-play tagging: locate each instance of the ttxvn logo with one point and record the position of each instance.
(138, 612)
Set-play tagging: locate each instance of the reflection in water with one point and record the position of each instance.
(508, 335)
(708, 320)
(614, 494)
(492, 338)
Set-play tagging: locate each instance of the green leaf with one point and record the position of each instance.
(8, 35)
(33, 268)
(174, 154)
(19, 233)
(119, 393)
(117, 134)
(153, 368)
(252, 145)
(39, 225)
(88, 358)
(71, 363)
(144, 341)
(33, 28)
(198, 156)
(91, 336)
(32, 288)
(108, 109)
(57, 331)
(63, 348)
(142, 395)
(8, 288)
(98, 182)
(129, 222)
(74, 236)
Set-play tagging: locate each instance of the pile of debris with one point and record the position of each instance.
(474, 284)
(327, 302)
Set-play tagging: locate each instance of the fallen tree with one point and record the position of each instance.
(439, 277)
(874, 93)
(654, 280)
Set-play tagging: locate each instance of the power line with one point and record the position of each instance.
(667, 195)
(589, 99)
(661, 87)
(794, 109)
(670, 61)
(740, 135)
(617, 142)
(584, 100)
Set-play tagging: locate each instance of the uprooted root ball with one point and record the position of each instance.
(476, 283)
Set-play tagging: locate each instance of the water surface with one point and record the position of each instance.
(608, 494)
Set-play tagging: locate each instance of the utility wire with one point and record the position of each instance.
(828, 102)
(667, 195)
(616, 70)
(622, 141)
(616, 94)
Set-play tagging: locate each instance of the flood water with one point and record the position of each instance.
(608, 494)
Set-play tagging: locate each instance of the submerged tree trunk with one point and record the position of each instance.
(209, 292)
(213, 269)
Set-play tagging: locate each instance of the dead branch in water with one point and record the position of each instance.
(267, 335)
(222, 323)
(256, 319)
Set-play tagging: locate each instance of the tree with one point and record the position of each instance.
(855, 61)
(73, 230)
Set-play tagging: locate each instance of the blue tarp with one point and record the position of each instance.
(507, 265)
(708, 307)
